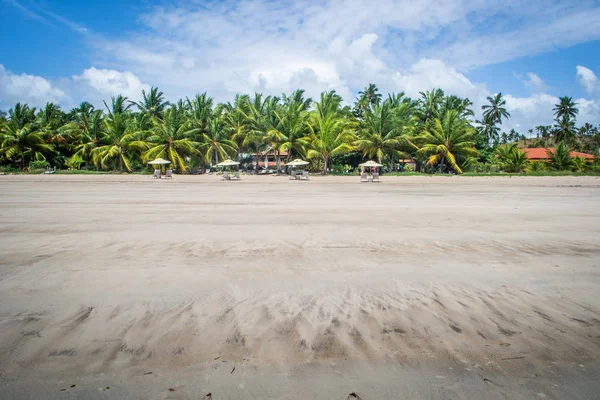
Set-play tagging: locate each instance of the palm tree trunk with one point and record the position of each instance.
(325, 164)
(121, 163)
(257, 156)
(393, 163)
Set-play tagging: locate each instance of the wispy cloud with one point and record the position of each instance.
(28, 13)
(39, 13)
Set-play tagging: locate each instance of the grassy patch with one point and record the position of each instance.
(538, 173)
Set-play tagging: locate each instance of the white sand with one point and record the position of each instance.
(417, 287)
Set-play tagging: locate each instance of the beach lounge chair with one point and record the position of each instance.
(236, 176)
(225, 176)
(157, 174)
(363, 177)
(304, 175)
(169, 174)
(294, 175)
(375, 177)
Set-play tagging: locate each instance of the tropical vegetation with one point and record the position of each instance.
(437, 132)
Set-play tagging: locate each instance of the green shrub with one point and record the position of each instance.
(74, 162)
(38, 166)
(9, 169)
(538, 166)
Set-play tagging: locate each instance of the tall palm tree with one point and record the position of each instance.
(463, 106)
(21, 115)
(495, 111)
(24, 143)
(88, 129)
(119, 105)
(565, 130)
(153, 103)
(236, 118)
(50, 119)
(384, 130)
(430, 104)
(171, 138)
(330, 133)
(565, 108)
(215, 143)
(261, 120)
(448, 142)
(370, 95)
(292, 125)
(119, 142)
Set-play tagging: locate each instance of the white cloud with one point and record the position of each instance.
(218, 47)
(111, 82)
(534, 81)
(528, 112)
(31, 89)
(429, 73)
(587, 79)
(400, 45)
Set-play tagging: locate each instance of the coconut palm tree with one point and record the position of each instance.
(429, 104)
(291, 127)
(384, 130)
(495, 111)
(561, 159)
(171, 138)
(23, 143)
(215, 143)
(371, 94)
(463, 106)
(261, 120)
(119, 141)
(21, 115)
(511, 158)
(448, 142)
(152, 104)
(330, 133)
(118, 105)
(565, 108)
(565, 130)
(88, 130)
(50, 119)
(579, 164)
(236, 118)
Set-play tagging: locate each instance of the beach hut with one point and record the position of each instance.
(298, 174)
(372, 175)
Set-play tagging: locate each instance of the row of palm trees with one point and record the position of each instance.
(436, 129)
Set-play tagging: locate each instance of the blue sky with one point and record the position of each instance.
(70, 51)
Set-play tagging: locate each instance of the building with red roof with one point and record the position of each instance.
(541, 154)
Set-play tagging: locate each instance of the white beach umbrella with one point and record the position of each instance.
(370, 164)
(297, 163)
(159, 161)
(228, 163)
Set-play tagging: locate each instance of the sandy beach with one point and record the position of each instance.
(413, 288)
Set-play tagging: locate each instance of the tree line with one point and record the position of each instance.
(439, 131)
